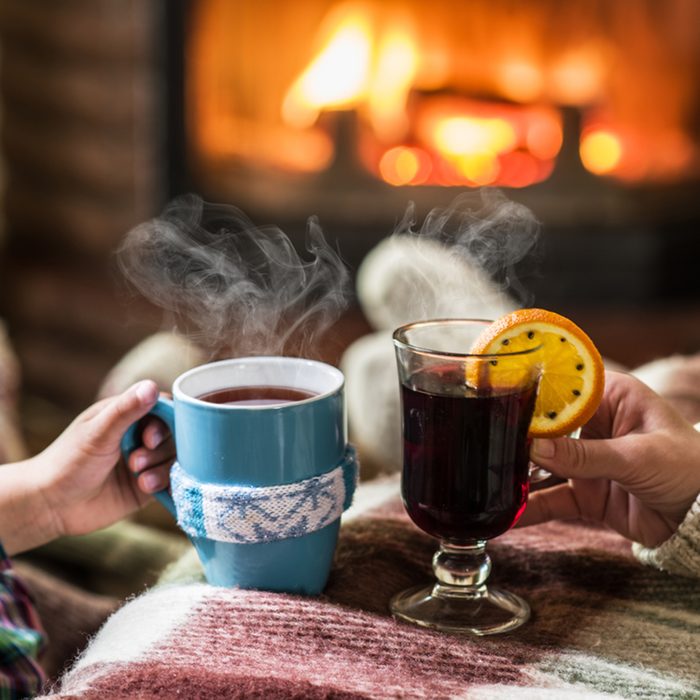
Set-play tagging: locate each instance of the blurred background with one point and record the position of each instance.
(587, 112)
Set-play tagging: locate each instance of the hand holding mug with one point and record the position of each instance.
(263, 469)
(79, 483)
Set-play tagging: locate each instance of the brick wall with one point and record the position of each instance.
(81, 137)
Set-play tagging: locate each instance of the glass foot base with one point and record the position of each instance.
(491, 611)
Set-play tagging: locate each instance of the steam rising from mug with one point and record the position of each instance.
(243, 289)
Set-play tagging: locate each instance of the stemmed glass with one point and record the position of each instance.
(465, 472)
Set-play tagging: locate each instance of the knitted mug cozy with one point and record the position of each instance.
(253, 514)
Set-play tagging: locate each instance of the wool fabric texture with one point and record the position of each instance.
(603, 626)
(251, 514)
(680, 553)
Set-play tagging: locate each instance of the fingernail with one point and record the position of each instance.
(140, 462)
(151, 482)
(542, 449)
(146, 391)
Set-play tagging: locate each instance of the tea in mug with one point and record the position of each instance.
(256, 395)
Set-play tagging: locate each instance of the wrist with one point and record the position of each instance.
(678, 554)
(27, 519)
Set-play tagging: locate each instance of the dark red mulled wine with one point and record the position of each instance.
(465, 473)
(256, 395)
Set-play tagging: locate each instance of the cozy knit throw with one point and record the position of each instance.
(603, 626)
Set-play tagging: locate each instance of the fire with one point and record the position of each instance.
(520, 80)
(337, 77)
(577, 77)
(446, 92)
(473, 145)
(405, 166)
(391, 81)
(357, 66)
(600, 151)
(376, 68)
(481, 143)
(623, 153)
(466, 135)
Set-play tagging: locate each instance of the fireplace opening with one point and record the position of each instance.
(585, 111)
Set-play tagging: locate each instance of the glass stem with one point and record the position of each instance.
(462, 570)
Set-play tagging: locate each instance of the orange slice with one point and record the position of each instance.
(572, 374)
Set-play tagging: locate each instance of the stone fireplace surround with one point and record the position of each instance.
(91, 145)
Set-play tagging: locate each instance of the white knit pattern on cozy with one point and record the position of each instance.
(251, 514)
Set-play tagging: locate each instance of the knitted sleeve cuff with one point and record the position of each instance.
(680, 553)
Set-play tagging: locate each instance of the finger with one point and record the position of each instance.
(119, 412)
(556, 503)
(92, 410)
(155, 479)
(142, 458)
(581, 459)
(601, 423)
(154, 433)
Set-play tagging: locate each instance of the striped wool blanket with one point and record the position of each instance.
(603, 626)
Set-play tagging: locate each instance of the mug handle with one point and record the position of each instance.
(165, 410)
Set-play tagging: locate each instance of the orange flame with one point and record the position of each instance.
(601, 151)
(358, 66)
(373, 67)
(392, 61)
(338, 75)
(405, 166)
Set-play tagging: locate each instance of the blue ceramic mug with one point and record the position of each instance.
(250, 476)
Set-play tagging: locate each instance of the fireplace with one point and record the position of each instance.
(586, 111)
(446, 94)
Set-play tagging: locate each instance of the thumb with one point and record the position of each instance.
(572, 458)
(110, 423)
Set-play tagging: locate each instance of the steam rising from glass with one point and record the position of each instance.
(465, 260)
(485, 230)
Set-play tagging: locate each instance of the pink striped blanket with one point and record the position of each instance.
(603, 626)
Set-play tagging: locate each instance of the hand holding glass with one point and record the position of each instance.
(465, 472)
